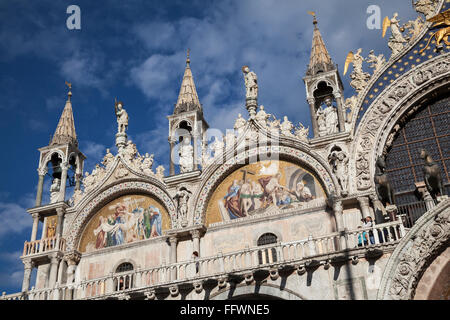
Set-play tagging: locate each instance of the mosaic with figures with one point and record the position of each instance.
(255, 188)
(126, 219)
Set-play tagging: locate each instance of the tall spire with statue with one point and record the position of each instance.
(324, 89)
(187, 126)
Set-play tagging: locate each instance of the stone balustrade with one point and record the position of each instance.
(241, 262)
(43, 246)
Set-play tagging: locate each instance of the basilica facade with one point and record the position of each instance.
(354, 207)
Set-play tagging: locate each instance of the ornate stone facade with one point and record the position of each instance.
(268, 205)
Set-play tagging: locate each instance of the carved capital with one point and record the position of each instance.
(35, 216)
(42, 171)
(72, 258)
(173, 240)
(195, 233)
(28, 264)
(60, 212)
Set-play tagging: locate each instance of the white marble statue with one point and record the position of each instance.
(262, 117)
(160, 173)
(54, 190)
(251, 83)
(146, 164)
(286, 127)
(396, 41)
(274, 125)
(182, 198)
(122, 117)
(239, 124)
(130, 151)
(327, 118)
(186, 153)
(350, 109)
(302, 133)
(376, 61)
(217, 146)
(338, 160)
(427, 7)
(108, 159)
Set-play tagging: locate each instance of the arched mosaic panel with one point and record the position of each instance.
(126, 219)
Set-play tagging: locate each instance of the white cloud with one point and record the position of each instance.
(14, 217)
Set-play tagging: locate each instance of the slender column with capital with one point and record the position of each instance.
(338, 212)
(195, 152)
(78, 177)
(40, 187)
(54, 260)
(340, 107)
(365, 209)
(173, 256)
(35, 226)
(196, 241)
(62, 192)
(312, 110)
(28, 267)
(59, 222)
(172, 165)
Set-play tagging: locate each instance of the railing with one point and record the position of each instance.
(261, 257)
(14, 296)
(239, 262)
(44, 245)
(412, 212)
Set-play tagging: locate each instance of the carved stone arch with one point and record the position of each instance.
(265, 289)
(387, 109)
(80, 218)
(315, 85)
(268, 230)
(176, 125)
(429, 237)
(296, 153)
(49, 155)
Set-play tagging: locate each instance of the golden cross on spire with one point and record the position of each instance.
(314, 15)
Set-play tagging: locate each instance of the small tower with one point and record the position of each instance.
(187, 126)
(62, 162)
(324, 89)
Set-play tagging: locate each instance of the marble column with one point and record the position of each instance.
(340, 108)
(195, 137)
(40, 187)
(59, 222)
(28, 267)
(312, 110)
(173, 256)
(365, 207)
(62, 191)
(338, 209)
(196, 241)
(35, 226)
(54, 260)
(172, 164)
(78, 177)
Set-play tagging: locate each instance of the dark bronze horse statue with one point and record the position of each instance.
(382, 185)
(432, 175)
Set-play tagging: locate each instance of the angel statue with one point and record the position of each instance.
(441, 20)
(396, 41)
(302, 133)
(376, 61)
(358, 76)
(122, 117)
(251, 83)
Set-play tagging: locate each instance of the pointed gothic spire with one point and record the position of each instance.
(320, 60)
(65, 131)
(187, 98)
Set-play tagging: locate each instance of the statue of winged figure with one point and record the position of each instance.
(376, 61)
(441, 20)
(397, 40)
(358, 76)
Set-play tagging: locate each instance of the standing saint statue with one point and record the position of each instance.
(251, 83)
(122, 117)
(331, 117)
(186, 155)
(182, 198)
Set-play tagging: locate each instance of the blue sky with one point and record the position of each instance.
(135, 50)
